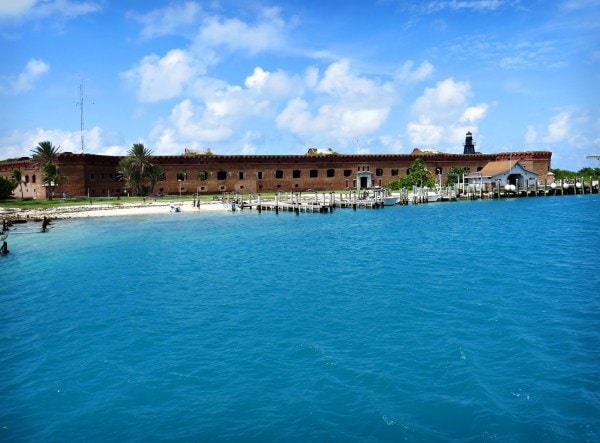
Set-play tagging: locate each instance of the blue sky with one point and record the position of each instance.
(278, 77)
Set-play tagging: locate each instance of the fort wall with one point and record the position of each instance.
(96, 175)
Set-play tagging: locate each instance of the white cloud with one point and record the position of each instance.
(474, 113)
(530, 135)
(350, 106)
(169, 20)
(558, 128)
(189, 126)
(443, 101)
(257, 80)
(166, 77)
(408, 72)
(36, 9)
(476, 5)
(15, 7)
(425, 132)
(236, 35)
(20, 144)
(24, 81)
(442, 115)
(250, 140)
(221, 108)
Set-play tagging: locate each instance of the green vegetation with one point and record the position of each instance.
(138, 172)
(455, 172)
(6, 188)
(44, 155)
(418, 176)
(17, 177)
(561, 174)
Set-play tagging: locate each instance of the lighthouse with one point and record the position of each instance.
(469, 145)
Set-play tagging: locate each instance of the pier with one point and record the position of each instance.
(326, 202)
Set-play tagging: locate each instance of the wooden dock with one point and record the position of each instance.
(327, 202)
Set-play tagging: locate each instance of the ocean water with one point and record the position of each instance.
(467, 321)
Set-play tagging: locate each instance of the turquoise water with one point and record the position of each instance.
(470, 321)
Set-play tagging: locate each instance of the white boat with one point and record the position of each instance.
(390, 200)
(174, 208)
(232, 206)
(433, 196)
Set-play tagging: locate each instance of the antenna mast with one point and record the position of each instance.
(80, 104)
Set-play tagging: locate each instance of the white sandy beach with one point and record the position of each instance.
(105, 210)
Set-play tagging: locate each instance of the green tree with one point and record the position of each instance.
(154, 174)
(6, 188)
(455, 173)
(561, 174)
(51, 179)
(17, 176)
(45, 152)
(589, 172)
(44, 156)
(418, 175)
(137, 170)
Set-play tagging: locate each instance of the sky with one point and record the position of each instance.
(282, 76)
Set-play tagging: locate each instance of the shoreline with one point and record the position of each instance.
(105, 210)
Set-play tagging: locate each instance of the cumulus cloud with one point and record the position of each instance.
(19, 144)
(161, 78)
(189, 125)
(350, 105)
(26, 80)
(219, 108)
(182, 70)
(442, 114)
(558, 128)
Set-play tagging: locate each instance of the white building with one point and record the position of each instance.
(501, 173)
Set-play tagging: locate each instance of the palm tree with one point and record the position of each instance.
(45, 152)
(154, 174)
(137, 170)
(140, 156)
(17, 176)
(51, 179)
